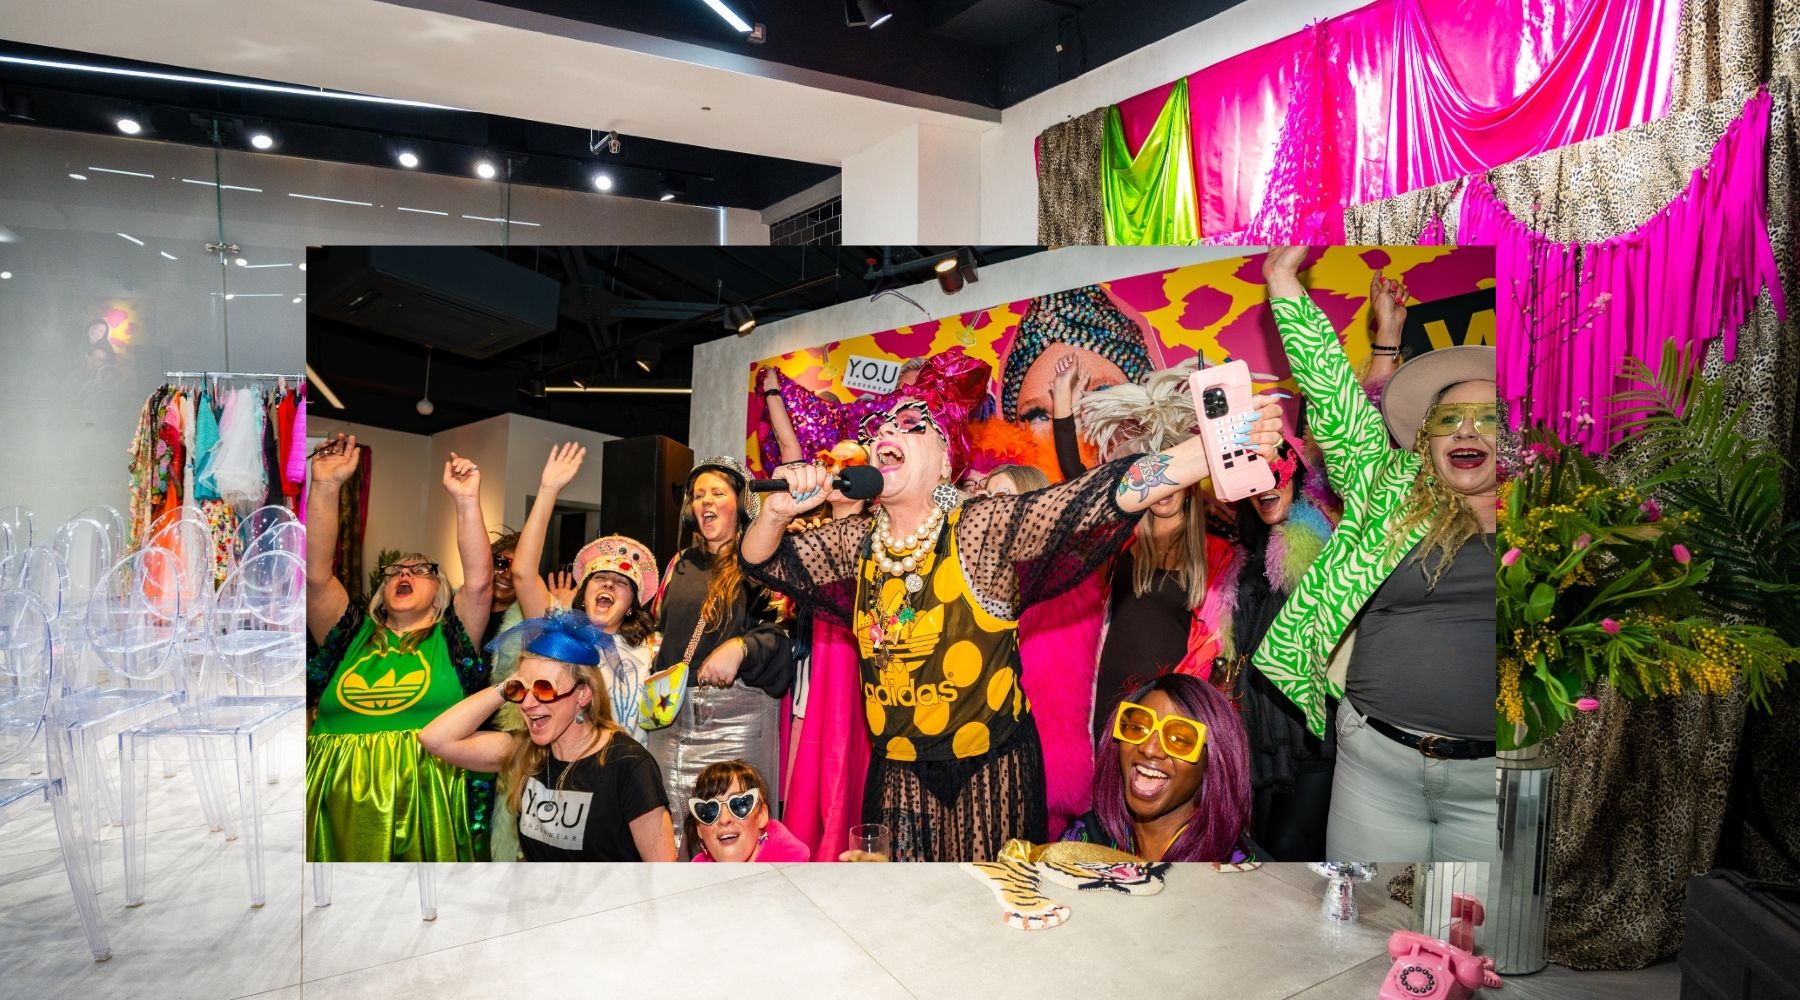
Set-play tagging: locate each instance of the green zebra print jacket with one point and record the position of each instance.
(1371, 476)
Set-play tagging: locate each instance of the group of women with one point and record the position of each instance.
(812, 649)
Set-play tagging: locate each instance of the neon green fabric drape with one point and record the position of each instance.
(1150, 199)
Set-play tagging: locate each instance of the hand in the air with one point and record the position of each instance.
(336, 461)
(462, 478)
(1387, 298)
(1283, 261)
(561, 467)
(561, 585)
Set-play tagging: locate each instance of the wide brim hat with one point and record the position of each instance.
(1409, 394)
(619, 554)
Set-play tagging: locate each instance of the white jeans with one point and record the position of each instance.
(1392, 803)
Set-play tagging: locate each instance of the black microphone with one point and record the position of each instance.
(857, 482)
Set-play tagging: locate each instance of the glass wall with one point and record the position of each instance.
(112, 282)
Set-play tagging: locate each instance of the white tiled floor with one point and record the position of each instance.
(867, 931)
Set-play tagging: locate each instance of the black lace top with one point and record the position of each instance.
(1015, 550)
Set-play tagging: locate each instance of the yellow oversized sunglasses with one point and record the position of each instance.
(1182, 737)
(1446, 419)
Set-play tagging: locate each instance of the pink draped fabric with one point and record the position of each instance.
(1059, 657)
(824, 787)
(1690, 273)
(1412, 93)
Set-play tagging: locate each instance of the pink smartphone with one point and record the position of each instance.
(1222, 398)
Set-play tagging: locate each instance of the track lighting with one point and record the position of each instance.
(873, 13)
(739, 319)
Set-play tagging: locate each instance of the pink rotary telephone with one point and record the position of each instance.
(1426, 968)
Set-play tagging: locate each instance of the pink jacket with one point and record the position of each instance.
(778, 845)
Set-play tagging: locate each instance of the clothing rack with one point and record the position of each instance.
(245, 375)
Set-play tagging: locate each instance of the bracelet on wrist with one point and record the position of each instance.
(1384, 350)
(771, 392)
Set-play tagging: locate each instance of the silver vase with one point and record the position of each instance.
(1517, 921)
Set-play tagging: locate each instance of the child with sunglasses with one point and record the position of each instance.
(1173, 781)
(1411, 565)
(383, 671)
(728, 818)
(581, 788)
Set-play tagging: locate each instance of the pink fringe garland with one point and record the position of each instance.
(1690, 273)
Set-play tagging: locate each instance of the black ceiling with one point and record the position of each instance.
(447, 142)
(994, 53)
(614, 301)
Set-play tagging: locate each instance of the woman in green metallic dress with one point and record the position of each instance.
(380, 674)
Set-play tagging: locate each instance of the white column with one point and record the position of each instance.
(919, 185)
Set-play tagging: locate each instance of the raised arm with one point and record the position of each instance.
(456, 736)
(1070, 373)
(1387, 300)
(559, 471)
(326, 598)
(475, 600)
(817, 567)
(1347, 427)
(786, 442)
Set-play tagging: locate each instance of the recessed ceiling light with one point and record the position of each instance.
(129, 126)
(303, 266)
(229, 296)
(241, 262)
(484, 170)
(603, 182)
(132, 238)
(78, 177)
(5, 275)
(296, 300)
(262, 140)
(408, 159)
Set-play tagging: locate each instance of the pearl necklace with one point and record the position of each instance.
(900, 558)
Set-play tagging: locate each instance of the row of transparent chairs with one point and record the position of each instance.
(28, 680)
(170, 695)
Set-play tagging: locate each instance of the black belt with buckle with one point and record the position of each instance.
(1434, 746)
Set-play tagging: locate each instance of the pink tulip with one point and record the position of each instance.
(1609, 626)
(1682, 555)
(1511, 556)
(1584, 541)
(1652, 509)
(1587, 704)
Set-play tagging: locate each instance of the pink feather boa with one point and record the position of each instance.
(1059, 658)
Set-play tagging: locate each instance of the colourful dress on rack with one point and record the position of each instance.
(372, 792)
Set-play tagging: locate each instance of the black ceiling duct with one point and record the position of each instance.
(455, 299)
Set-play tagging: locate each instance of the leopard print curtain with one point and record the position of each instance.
(1069, 209)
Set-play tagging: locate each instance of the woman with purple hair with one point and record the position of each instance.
(1173, 782)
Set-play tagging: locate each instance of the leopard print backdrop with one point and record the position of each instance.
(1069, 209)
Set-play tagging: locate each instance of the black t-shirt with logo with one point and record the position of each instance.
(589, 818)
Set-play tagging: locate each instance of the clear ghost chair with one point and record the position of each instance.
(27, 683)
(143, 616)
(109, 518)
(259, 521)
(256, 630)
(17, 520)
(288, 536)
(89, 711)
(6, 539)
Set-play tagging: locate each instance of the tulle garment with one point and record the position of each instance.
(237, 467)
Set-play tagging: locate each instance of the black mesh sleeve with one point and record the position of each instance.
(1068, 447)
(768, 648)
(1020, 550)
(817, 567)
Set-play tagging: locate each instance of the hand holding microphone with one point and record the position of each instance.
(799, 488)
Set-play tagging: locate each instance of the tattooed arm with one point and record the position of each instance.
(1158, 475)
